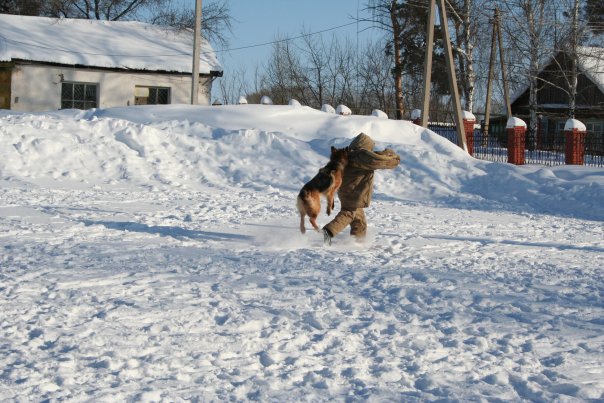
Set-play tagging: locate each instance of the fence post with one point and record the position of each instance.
(416, 116)
(516, 129)
(574, 133)
(468, 124)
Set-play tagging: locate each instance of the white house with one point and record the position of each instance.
(48, 64)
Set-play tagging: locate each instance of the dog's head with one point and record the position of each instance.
(339, 155)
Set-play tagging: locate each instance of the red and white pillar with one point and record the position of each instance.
(469, 120)
(574, 133)
(516, 130)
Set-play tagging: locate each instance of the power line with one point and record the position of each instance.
(288, 39)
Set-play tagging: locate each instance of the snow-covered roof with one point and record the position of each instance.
(590, 61)
(107, 44)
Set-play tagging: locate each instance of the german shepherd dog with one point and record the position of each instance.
(326, 183)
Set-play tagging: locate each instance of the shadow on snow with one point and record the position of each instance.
(171, 231)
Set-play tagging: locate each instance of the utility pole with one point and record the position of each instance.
(196, 53)
(444, 24)
(428, 64)
(452, 77)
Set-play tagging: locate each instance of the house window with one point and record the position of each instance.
(561, 124)
(595, 127)
(151, 95)
(78, 95)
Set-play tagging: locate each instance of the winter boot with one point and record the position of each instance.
(327, 237)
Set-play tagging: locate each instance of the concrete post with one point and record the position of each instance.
(516, 129)
(574, 133)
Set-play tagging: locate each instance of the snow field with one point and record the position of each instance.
(187, 279)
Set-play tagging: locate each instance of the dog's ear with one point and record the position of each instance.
(333, 149)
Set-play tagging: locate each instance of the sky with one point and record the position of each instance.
(261, 22)
(258, 22)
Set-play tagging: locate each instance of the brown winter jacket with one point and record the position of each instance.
(357, 181)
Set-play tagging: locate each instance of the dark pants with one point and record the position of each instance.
(355, 218)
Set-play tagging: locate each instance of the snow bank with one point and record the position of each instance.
(153, 254)
(266, 146)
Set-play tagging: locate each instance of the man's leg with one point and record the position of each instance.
(340, 221)
(358, 225)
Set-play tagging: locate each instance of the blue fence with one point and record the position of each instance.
(541, 148)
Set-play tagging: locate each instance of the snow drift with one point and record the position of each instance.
(153, 254)
(263, 146)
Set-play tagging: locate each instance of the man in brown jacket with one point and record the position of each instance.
(357, 186)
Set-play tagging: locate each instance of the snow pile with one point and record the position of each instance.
(153, 254)
(270, 147)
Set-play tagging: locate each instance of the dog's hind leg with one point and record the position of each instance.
(302, 211)
(313, 221)
(302, 227)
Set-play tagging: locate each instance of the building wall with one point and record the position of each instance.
(37, 88)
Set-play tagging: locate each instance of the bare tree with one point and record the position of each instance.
(112, 10)
(573, 43)
(216, 24)
(312, 70)
(233, 86)
(377, 84)
(529, 33)
(386, 16)
(468, 20)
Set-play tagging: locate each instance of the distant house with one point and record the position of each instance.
(50, 64)
(552, 97)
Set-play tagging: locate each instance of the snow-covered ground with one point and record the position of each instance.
(153, 254)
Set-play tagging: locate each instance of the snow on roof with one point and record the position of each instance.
(109, 44)
(590, 61)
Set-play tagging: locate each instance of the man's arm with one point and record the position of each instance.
(370, 160)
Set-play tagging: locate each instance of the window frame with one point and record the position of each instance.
(153, 95)
(86, 102)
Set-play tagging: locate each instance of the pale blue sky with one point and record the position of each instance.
(262, 21)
